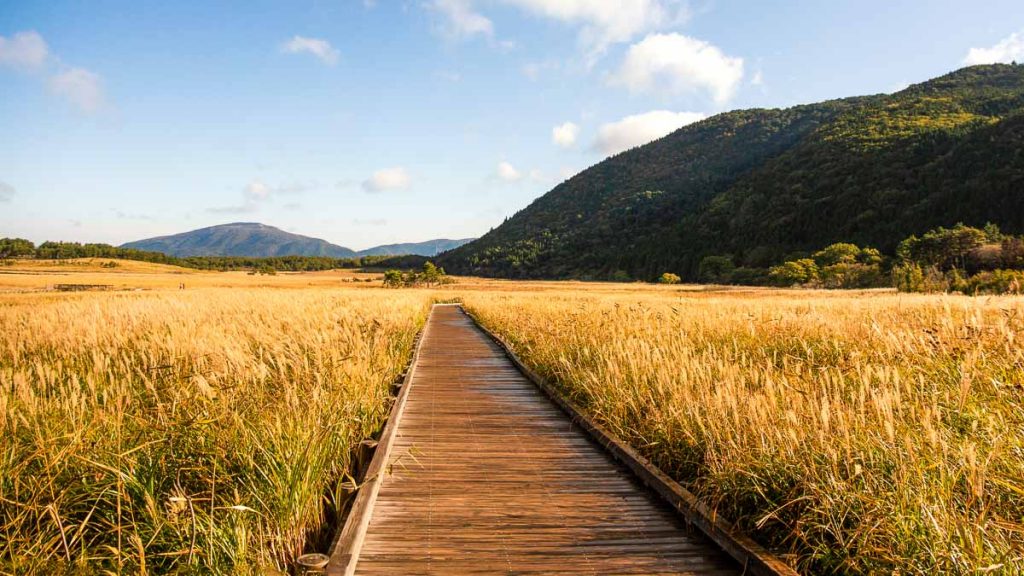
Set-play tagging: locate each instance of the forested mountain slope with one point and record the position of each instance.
(758, 185)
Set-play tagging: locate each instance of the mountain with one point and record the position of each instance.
(761, 185)
(240, 239)
(254, 240)
(428, 248)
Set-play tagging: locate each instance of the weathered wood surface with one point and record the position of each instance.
(486, 475)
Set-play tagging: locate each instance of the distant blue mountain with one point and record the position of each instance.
(252, 239)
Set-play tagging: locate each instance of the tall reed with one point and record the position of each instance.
(862, 435)
(204, 431)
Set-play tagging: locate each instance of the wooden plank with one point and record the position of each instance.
(478, 472)
(344, 549)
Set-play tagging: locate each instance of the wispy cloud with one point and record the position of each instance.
(369, 222)
(28, 52)
(258, 192)
(322, 49)
(24, 50)
(638, 129)
(80, 88)
(396, 178)
(606, 22)
(122, 215)
(7, 192)
(508, 173)
(460, 20)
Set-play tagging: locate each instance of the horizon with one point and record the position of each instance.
(370, 123)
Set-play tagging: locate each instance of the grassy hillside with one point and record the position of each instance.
(758, 185)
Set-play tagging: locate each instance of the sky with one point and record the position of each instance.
(366, 122)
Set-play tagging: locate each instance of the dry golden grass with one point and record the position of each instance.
(877, 434)
(205, 430)
(42, 275)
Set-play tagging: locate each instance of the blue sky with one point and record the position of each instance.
(368, 122)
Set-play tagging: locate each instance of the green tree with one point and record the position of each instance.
(794, 272)
(430, 274)
(16, 248)
(839, 253)
(393, 279)
(945, 248)
(908, 277)
(669, 278)
(992, 233)
(716, 269)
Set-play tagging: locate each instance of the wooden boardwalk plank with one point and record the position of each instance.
(487, 476)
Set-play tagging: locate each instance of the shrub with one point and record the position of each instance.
(908, 277)
(430, 275)
(850, 275)
(794, 272)
(995, 282)
(669, 278)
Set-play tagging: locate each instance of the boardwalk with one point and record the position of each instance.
(488, 476)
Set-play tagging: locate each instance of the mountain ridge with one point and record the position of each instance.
(257, 240)
(759, 185)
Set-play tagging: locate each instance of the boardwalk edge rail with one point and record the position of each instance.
(752, 556)
(344, 550)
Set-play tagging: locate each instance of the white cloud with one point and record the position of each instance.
(256, 191)
(1007, 50)
(640, 129)
(758, 79)
(80, 87)
(673, 63)
(564, 135)
(27, 51)
(606, 22)
(6, 192)
(387, 179)
(322, 49)
(24, 50)
(461, 21)
(508, 172)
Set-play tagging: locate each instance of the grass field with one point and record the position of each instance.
(874, 434)
(149, 429)
(204, 431)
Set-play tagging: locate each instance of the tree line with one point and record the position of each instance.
(958, 259)
(22, 248)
